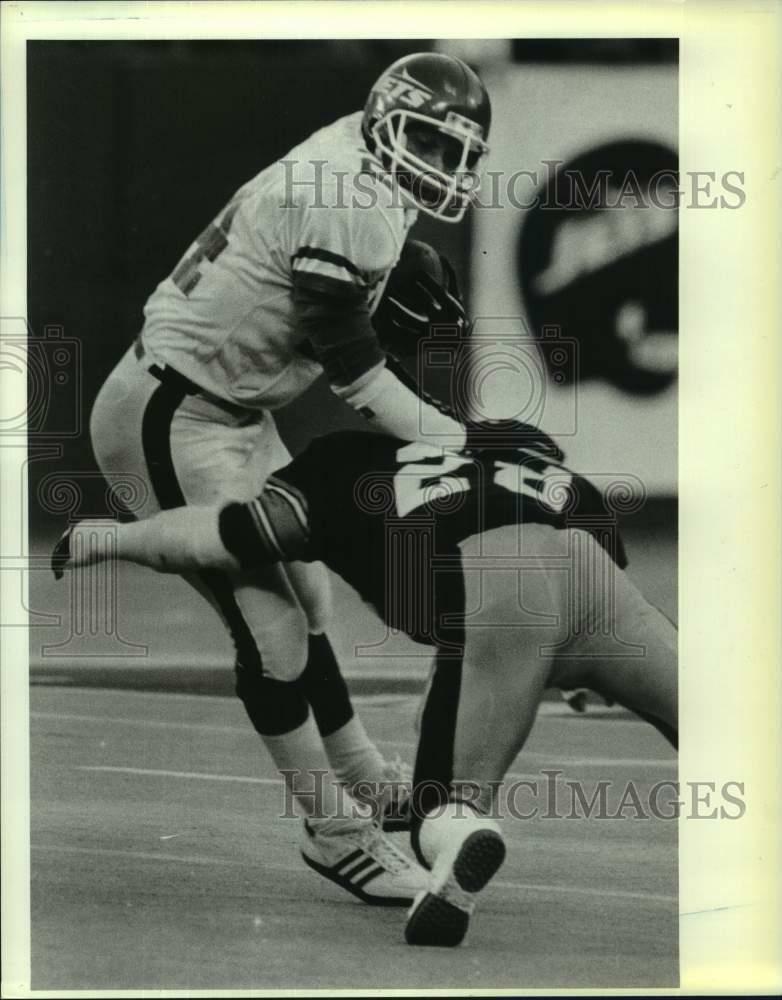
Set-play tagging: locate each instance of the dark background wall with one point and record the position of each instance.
(133, 148)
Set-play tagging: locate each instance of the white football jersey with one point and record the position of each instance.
(225, 316)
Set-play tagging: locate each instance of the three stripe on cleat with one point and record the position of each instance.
(353, 872)
(358, 868)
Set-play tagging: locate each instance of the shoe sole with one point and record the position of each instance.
(355, 890)
(436, 922)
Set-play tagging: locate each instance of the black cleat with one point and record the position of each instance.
(61, 553)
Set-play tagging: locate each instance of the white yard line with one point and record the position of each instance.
(197, 775)
(552, 759)
(114, 693)
(565, 890)
(208, 776)
(147, 723)
(377, 702)
(572, 890)
(555, 759)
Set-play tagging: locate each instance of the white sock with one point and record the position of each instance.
(299, 755)
(353, 756)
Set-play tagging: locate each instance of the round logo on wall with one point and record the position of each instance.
(598, 266)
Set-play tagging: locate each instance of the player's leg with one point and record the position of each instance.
(271, 633)
(187, 540)
(461, 846)
(576, 619)
(353, 757)
(593, 628)
(270, 600)
(478, 715)
(601, 634)
(185, 453)
(137, 428)
(352, 754)
(353, 853)
(490, 698)
(187, 450)
(618, 644)
(369, 777)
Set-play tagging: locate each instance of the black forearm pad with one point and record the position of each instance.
(335, 318)
(274, 527)
(241, 535)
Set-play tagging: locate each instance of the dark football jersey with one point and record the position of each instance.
(388, 517)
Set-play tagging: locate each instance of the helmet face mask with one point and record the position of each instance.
(427, 121)
(442, 192)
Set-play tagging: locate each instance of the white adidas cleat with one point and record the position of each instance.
(359, 857)
(469, 851)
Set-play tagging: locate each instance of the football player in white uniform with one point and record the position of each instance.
(278, 289)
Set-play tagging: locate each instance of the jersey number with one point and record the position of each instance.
(419, 482)
(209, 245)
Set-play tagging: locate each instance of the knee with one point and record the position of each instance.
(312, 586)
(283, 649)
(267, 627)
(271, 653)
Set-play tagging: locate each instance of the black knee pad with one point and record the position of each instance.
(274, 707)
(324, 687)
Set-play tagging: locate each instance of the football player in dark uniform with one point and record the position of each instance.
(501, 558)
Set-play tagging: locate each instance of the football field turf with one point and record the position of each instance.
(159, 861)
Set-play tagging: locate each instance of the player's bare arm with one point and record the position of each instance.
(183, 540)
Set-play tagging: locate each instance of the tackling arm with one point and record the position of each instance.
(332, 301)
(184, 540)
(335, 318)
(271, 528)
(340, 260)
